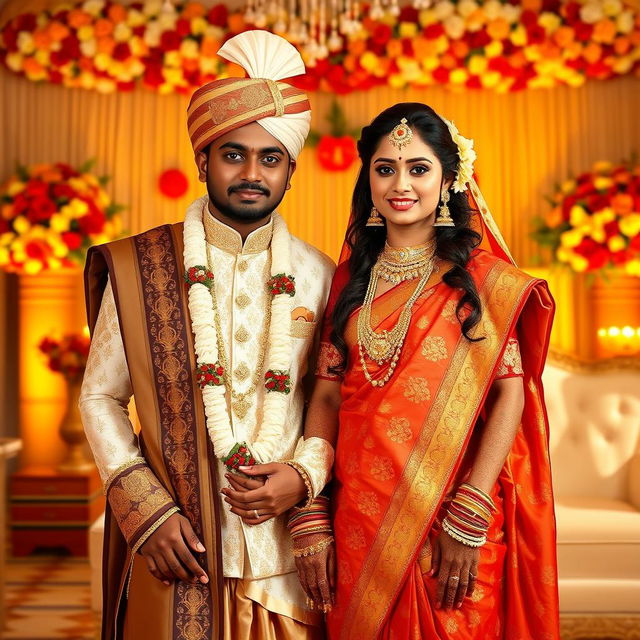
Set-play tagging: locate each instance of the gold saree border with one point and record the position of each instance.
(434, 457)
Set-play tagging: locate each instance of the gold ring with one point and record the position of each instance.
(456, 578)
(255, 511)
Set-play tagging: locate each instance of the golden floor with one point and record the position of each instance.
(48, 598)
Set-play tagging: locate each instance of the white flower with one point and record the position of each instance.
(122, 32)
(591, 12)
(94, 7)
(168, 20)
(492, 9)
(454, 26)
(444, 9)
(152, 7)
(625, 21)
(26, 43)
(88, 48)
(466, 156)
(612, 7)
(467, 7)
(511, 13)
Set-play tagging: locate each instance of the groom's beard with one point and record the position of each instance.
(248, 210)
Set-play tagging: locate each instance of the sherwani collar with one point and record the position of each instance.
(227, 239)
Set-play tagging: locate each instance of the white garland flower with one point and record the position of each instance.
(466, 155)
(202, 312)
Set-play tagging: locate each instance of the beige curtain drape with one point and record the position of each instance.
(526, 142)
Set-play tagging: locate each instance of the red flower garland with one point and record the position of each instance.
(239, 456)
(282, 283)
(210, 374)
(276, 380)
(199, 274)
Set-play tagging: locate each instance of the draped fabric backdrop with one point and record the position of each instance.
(526, 143)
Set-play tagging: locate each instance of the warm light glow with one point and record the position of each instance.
(85, 331)
(620, 340)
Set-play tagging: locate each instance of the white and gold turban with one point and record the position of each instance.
(223, 105)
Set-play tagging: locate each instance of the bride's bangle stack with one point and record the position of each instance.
(469, 515)
(314, 518)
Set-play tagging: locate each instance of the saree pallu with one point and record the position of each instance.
(404, 447)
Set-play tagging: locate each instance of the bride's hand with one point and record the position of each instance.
(317, 571)
(455, 565)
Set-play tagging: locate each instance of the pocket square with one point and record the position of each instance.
(302, 314)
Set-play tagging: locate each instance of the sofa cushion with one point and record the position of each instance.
(597, 538)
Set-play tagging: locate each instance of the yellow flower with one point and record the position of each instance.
(549, 21)
(568, 186)
(458, 76)
(4, 256)
(135, 18)
(571, 238)
(173, 59)
(578, 216)
(408, 29)
(603, 167)
(490, 79)
(633, 267)
(15, 187)
(79, 185)
(31, 266)
(21, 225)
(519, 36)
(616, 243)
(629, 225)
(603, 216)
(85, 32)
(26, 43)
(369, 61)
(494, 49)
(477, 64)
(14, 61)
(579, 263)
(189, 49)
(563, 254)
(59, 222)
(397, 81)
(53, 264)
(611, 7)
(602, 183)
(198, 26)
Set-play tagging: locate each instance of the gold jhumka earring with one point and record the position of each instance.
(374, 220)
(443, 219)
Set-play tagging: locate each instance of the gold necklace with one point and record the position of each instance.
(387, 345)
(240, 402)
(396, 264)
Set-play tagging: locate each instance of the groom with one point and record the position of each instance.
(216, 366)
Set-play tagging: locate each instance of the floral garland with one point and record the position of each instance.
(504, 46)
(50, 214)
(594, 222)
(201, 308)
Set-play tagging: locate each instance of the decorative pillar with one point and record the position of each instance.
(49, 303)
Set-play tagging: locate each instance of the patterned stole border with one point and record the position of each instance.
(435, 455)
(162, 292)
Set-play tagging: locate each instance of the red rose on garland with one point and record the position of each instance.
(282, 283)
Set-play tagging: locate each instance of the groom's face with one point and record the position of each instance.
(247, 172)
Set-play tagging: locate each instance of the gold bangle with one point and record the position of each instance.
(305, 478)
(314, 548)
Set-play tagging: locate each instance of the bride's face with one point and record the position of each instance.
(406, 183)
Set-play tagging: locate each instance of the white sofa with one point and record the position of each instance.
(594, 418)
(594, 421)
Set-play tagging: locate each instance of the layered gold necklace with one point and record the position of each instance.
(393, 265)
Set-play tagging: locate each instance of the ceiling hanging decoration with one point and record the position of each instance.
(346, 44)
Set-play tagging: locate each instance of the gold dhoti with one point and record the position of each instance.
(246, 619)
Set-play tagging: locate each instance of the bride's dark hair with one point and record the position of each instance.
(453, 244)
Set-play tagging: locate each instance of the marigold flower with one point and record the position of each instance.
(498, 29)
(117, 13)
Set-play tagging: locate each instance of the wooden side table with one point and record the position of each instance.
(9, 447)
(51, 509)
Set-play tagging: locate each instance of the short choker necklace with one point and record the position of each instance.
(396, 264)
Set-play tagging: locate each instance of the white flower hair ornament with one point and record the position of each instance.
(466, 155)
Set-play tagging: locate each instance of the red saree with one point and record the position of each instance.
(404, 447)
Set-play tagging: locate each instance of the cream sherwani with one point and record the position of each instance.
(262, 554)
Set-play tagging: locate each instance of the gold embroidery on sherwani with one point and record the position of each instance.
(243, 300)
(434, 348)
(241, 372)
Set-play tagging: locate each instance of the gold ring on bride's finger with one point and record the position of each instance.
(454, 578)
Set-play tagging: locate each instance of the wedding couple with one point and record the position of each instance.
(396, 488)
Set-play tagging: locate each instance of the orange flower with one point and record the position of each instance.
(236, 22)
(7, 211)
(190, 64)
(564, 36)
(51, 175)
(592, 52)
(209, 47)
(394, 48)
(635, 38)
(78, 18)
(103, 27)
(193, 10)
(357, 47)
(549, 51)
(460, 49)
(41, 39)
(448, 61)
(85, 64)
(622, 203)
(621, 45)
(105, 45)
(350, 63)
(604, 31)
(498, 29)
(553, 217)
(517, 60)
(531, 5)
(117, 13)
(423, 48)
(58, 31)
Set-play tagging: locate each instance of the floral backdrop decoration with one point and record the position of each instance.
(347, 46)
(50, 214)
(594, 222)
(67, 355)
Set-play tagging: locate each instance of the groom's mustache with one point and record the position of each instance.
(249, 186)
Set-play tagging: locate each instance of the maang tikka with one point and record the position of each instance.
(401, 134)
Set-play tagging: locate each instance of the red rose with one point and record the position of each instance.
(219, 371)
(218, 15)
(271, 384)
(72, 240)
(170, 41)
(121, 51)
(433, 31)
(91, 223)
(41, 209)
(381, 34)
(25, 22)
(183, 27)
(10, 39)
(62, 191)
